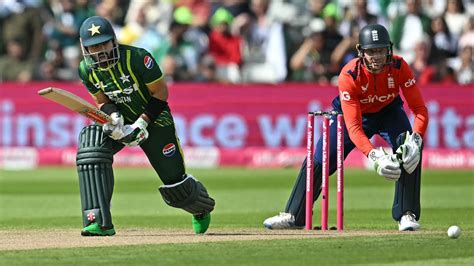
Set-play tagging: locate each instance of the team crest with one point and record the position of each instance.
(91, 217)
(169, 150)
(148, 62)
(391, 82)
(375, 35)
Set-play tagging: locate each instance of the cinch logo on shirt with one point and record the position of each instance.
(169, 150)
(148, 62)
(410, 82)
(373, 98)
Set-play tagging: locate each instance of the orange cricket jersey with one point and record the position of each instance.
(362, 92)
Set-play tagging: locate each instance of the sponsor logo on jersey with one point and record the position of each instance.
(148, 62)
(410, 82)
(345, 96)
(100, 85)
(382, 98)
(169, 150)
(364, 88)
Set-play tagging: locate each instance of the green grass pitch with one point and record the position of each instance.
(48, 199)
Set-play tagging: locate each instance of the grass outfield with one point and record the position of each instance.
(48, 199)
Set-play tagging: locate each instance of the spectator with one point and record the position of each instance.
(55, 67)
(201, 11)
(264, 46)
(310, 62)
(409, 29)
(63, 31)
(464, 69)
(444, 43)
(16, 64)
(433, 8)
(157, 12)
(235, 7)
(180, 57)
(24, 22)
(358, 13)
(455, 17)
(225, 47)
(422, 70)
(138, 31)
(467, 38)
(110, 10)
(207, 70)
(345, 50)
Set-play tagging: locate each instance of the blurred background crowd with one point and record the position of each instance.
(240, 41)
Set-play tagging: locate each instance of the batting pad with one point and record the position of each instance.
(189, 195)
(96, 178)
(407, 189)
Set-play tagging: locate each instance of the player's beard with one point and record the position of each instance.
(103, 59)
(106, 59)
(375, 64)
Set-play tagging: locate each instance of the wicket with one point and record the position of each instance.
(325, 169)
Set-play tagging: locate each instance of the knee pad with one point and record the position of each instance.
(189, 195)
(96, 179)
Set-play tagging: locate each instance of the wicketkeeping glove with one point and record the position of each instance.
(114, 129)
(136, 133)
(386, 165)
(409, 151)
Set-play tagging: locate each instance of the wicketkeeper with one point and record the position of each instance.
(369, 97)
(127, 83)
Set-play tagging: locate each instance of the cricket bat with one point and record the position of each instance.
(75, 103)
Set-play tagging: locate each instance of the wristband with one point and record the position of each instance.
(109, 108)
(154, 108)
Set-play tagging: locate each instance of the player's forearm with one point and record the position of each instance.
(353, 121)
(417, 105)
(360, 140)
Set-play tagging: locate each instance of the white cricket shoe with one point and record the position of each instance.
(408, 222)
(281, 221)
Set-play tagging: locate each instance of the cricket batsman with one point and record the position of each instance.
(369, 98)
(127, 83)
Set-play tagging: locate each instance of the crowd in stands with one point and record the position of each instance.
(240, 41)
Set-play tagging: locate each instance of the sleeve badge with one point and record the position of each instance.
(148, 62)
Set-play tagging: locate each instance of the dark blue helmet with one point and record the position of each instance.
(374, 36)
(95, 30)
(98, 30)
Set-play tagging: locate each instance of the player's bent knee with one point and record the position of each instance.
(189, 195)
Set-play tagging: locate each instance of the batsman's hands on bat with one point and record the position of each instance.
(409, 151)
(114, 128)
(136, 133)
(386, 165)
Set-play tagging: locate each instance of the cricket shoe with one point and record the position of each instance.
(408, 222)
(201, 222)
(281, 221)
(94, 229)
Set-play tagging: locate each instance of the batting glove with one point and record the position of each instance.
(409, 151)
(114, 129)
(386, 165)
(136, 133)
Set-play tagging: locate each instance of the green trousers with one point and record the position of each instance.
(164, 152)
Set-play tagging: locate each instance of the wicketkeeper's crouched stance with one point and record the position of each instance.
(127, 84)
(369, 97)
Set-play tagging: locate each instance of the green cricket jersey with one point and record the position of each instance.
(125, 83)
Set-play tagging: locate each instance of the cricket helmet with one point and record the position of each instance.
(374, 36)
(98, 30)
